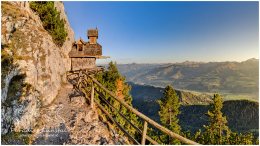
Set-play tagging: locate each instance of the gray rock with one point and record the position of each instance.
(8, 37)
(18, 24)
(29, 49)
(9, 27)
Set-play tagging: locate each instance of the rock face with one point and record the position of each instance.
(36, 56)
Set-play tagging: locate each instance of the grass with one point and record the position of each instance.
(7, 63)
(11, 10)
(18, 40)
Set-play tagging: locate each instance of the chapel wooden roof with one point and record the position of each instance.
(88, 50)
(93, 33)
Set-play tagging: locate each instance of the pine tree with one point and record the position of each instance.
(199, 137)
(217, 132)
(51, 20)
(115, 82)
(245, 139)
(169, 111)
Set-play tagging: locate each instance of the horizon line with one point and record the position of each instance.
(186, 61)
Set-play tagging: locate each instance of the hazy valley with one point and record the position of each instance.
(233, 80)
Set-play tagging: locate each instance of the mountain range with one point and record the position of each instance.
(234, 80)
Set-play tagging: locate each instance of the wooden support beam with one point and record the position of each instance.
(118, 125)
(92, 96)
(138, 130)
(151, 140)
(144, 133)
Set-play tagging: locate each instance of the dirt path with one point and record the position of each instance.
(72, 122)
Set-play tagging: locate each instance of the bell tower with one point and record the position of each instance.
(93, 36)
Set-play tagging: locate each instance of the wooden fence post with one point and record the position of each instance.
(144, 133)
(92, 96)
(144, 117)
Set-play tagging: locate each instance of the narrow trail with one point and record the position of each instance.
(72, 122)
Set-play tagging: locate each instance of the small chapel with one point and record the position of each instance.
(83, 54)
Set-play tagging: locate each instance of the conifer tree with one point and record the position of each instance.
(217, 132)
(51, 20)
(246, 139)
(169, 111)
(115, 82)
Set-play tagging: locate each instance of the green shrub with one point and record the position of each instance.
(21, 138)
(7, 63)
(51, 20)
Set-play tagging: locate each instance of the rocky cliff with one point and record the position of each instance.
(33, 66)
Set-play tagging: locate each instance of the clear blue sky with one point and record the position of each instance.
(164, 32)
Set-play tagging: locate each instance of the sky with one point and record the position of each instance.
(168, 32)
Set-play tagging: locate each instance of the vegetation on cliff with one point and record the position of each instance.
(51, 20)
(116, 83)
(7, 63)
(14, 138)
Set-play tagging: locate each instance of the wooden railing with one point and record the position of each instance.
(90, 86)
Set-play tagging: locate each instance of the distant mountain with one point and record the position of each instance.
(242, 115)
(234, 78)
(131, 70)
(151, 93)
